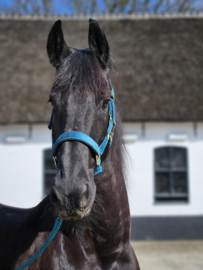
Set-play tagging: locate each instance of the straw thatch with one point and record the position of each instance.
(159, 62)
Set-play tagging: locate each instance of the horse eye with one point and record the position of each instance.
(105, 103)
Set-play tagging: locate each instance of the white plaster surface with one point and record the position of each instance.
(21, 166)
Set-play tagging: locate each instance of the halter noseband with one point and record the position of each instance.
(82, 137)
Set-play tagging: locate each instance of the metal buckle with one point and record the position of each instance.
(55, 162)
(111, 118)
(98, 159)
(110, 136)
(111, 133)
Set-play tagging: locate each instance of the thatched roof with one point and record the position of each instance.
(159, 62)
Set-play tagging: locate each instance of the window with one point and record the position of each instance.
(49, 171)
(171, 174)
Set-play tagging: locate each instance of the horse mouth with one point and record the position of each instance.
(74, 215)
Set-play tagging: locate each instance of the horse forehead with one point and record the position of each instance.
(81, 100)
(79, 108)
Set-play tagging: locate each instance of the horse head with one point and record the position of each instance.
(80, 97)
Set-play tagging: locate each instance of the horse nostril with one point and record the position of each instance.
(84, 198)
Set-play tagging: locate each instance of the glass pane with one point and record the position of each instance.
(178, 158)
(48, 183)
(180, 182)
(162, 183)
(162, 158)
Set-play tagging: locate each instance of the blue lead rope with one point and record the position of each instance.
(44, 246)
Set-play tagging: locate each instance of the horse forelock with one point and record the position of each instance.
(81, 72)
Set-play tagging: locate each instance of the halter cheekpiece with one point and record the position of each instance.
(82, 137)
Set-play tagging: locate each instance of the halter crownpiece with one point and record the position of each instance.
(82, 137)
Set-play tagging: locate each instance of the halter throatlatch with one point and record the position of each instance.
(82, 137)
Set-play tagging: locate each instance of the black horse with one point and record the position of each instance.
(95, 233)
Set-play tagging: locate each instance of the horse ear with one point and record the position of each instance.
(98, 43)
(57, 49)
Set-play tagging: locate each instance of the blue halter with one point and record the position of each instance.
(82, 137)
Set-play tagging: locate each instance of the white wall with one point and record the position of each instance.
(141, 171)
(21, 166)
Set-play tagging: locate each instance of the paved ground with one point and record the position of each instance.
(170, 255)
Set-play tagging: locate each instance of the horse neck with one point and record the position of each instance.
(111, 200)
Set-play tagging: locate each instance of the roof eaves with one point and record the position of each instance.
(142, 16)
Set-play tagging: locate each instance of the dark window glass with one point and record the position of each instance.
(49, 171)
(162, 183)
(179, 157)
(162, 158)
(171, 174)
(180, 182)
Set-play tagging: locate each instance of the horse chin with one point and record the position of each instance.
(76, 215)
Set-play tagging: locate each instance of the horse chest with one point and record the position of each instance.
(63, 253)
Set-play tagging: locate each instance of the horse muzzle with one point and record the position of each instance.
(75, 204)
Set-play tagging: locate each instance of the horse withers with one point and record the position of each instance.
(95, 233)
